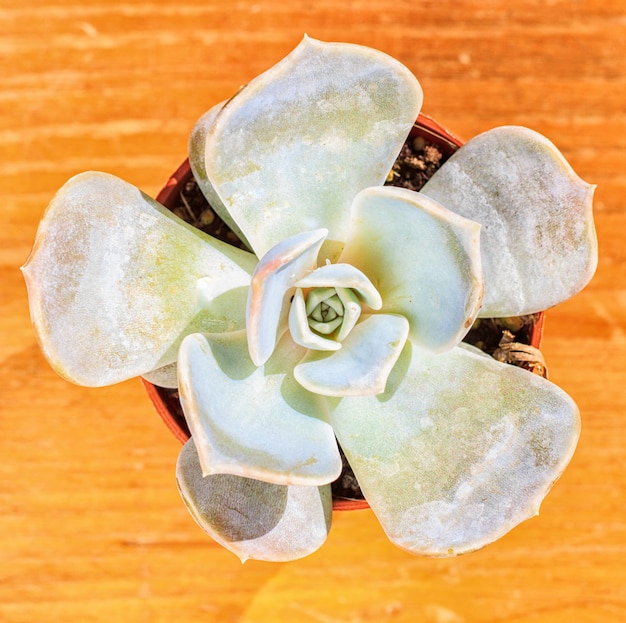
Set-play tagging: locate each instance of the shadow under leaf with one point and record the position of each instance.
(233, 507)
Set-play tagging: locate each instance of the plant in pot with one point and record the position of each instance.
(338, 321)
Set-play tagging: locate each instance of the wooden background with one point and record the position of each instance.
(91, 526)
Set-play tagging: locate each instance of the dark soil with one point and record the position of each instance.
(416, 163)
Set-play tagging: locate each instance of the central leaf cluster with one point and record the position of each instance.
(324, 310)
(322, 317)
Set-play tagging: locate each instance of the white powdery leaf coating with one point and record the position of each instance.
(423, 259)
(253, 421)
(112, 280)
(362, 365)
(459, 449)
(253, 519)
(538, 239)
(295, 145)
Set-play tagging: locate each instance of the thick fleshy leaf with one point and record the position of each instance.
(254, 519)
(364, 362)
(351, 312)
(538, 239)
(424, 260)
(254, 422)
(112, 281)
(458, 450)
(197, 142)
(343, 276)
(271, 288)
(296, 144)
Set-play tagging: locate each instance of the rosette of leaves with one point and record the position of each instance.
(344, 318)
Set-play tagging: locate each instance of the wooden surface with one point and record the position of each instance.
(91, 526)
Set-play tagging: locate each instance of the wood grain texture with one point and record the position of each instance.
(91, 526)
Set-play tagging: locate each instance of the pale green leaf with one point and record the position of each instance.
(458, 450)
(253, 519)
(351, 312)
(296, 144)
(538, 239)
(112, 281)
(363, 363)
(254, 422)
(271, 287)
(423, 259)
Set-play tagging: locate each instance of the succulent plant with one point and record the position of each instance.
(344, 318)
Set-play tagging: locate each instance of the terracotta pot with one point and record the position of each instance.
(168, 407)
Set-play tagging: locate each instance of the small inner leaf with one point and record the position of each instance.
(272, 282)
(363, 363)
(334, 302)
(325, 328)
(352, 312)
(315, 297)
(300, 329)
(345, 276)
